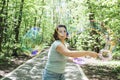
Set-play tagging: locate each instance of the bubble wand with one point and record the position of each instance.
(105, 55)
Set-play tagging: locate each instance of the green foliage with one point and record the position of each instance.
(87, 42)
(108, 12)
(47, 14)
(116, 71)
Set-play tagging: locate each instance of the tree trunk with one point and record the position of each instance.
(6, 22)
(19, 21)
(41, 21)
(35, 19)
(2, 23)
(17, 28)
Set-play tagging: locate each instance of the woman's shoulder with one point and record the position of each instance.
(56, 43)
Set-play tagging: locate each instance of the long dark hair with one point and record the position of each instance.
(55, 35)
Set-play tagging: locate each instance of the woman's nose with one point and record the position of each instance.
(62, 33)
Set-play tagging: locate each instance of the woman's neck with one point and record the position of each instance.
(63, 41)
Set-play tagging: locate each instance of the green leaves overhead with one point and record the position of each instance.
(46, 14)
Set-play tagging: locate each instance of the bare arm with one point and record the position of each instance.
(70, 59)
(63, 50)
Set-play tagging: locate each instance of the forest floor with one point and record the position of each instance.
(8, 66)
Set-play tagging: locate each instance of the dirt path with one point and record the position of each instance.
(32, 70)
(96, 70)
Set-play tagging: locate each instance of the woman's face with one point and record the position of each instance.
(62, 33)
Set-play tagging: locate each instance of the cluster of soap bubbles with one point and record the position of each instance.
(79, 61)
(31, 39)
(32, 33)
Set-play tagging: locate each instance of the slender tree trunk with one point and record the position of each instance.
(19, 21)
(6, 22)
(35, 19)
(2, 23)
(17, 28)
(41, 21)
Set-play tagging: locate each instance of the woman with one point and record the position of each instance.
(58, 53)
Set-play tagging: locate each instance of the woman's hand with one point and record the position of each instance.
(105, 55)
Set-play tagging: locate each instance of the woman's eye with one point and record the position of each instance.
(62, 31)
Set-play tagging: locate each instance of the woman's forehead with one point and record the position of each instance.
(61, 28)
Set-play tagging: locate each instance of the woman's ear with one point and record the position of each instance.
(67, 33)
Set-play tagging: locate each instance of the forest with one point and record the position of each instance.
(28, 25)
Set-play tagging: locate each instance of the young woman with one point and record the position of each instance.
(58, 53)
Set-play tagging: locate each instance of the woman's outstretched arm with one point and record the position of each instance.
(65, 51)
